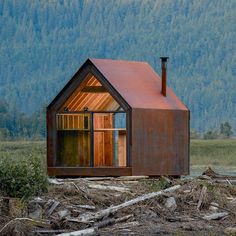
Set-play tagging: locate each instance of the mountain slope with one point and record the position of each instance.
(44, 42)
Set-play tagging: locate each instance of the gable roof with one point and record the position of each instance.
(138, 84)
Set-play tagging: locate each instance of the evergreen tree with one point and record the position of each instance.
(226, 129)
(42, 44)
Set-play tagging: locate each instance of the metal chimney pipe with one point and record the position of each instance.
(163, 74)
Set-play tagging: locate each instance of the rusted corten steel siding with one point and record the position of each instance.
(160, 142)
(158, 126)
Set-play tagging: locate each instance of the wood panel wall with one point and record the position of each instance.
(122, 148)
(103, 140)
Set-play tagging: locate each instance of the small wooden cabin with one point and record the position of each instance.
(117, 118)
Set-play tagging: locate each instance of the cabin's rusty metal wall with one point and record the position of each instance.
(158, 126)
(160, 142)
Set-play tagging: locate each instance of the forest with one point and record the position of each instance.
(43, 43)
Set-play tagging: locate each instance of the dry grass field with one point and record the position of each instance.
(29, 205)
(219, 154)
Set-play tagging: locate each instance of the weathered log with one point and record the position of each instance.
(53, 206)
(226, 181)
(213, 174)
(113, 221)
(166, 179)
(223, 208)
(54, 181)
(49, 231)
(216, 216)
(88, 217)
(202, 196)
(230, 231)
(128, 224)
(204, 177)
(84, 232)
(31, 221)
(131, 178)
(88, 207)
(114, 188)
(99, 178)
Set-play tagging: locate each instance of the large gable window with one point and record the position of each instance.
(91, 128)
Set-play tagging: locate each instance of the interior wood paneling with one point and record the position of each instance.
(122, 148)
(90, 94)
(74, 137)
(99, 147)
(103, 140)
(108, 140)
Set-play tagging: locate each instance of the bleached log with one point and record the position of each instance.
(216, 216)
(54, 181)
(131, 178)
(54, 205)
(88, 207)
(225, 181)
(128, 224)
(31, 221)
(223, 208)
(114, 188)
(84, 232)
(202, 196)
(166, 179)
(77, 187)
(213, 174)
(49, 231)
(98, 178)
(113, 221)
(230, 231)
(88, 217)
(204, 177)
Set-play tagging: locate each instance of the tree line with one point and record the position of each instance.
(16, 125)
(43, 43)
(224, 131)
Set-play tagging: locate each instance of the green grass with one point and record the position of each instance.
(22, 150)
(213, 152)
(203, 153)
(23, 168)
(218, 154)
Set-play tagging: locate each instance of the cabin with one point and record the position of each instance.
(117, 118)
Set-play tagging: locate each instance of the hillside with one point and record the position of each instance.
(42, 44)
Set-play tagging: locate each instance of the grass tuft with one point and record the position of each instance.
(23, 170)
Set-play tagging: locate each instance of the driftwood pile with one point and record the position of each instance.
(125, 205)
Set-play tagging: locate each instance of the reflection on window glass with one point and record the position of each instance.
(120, 120)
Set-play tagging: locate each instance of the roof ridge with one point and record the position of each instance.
(117, 60)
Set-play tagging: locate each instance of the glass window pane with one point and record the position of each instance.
(73, 148)
(73, 121)
(109, 139)
(120, 120)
